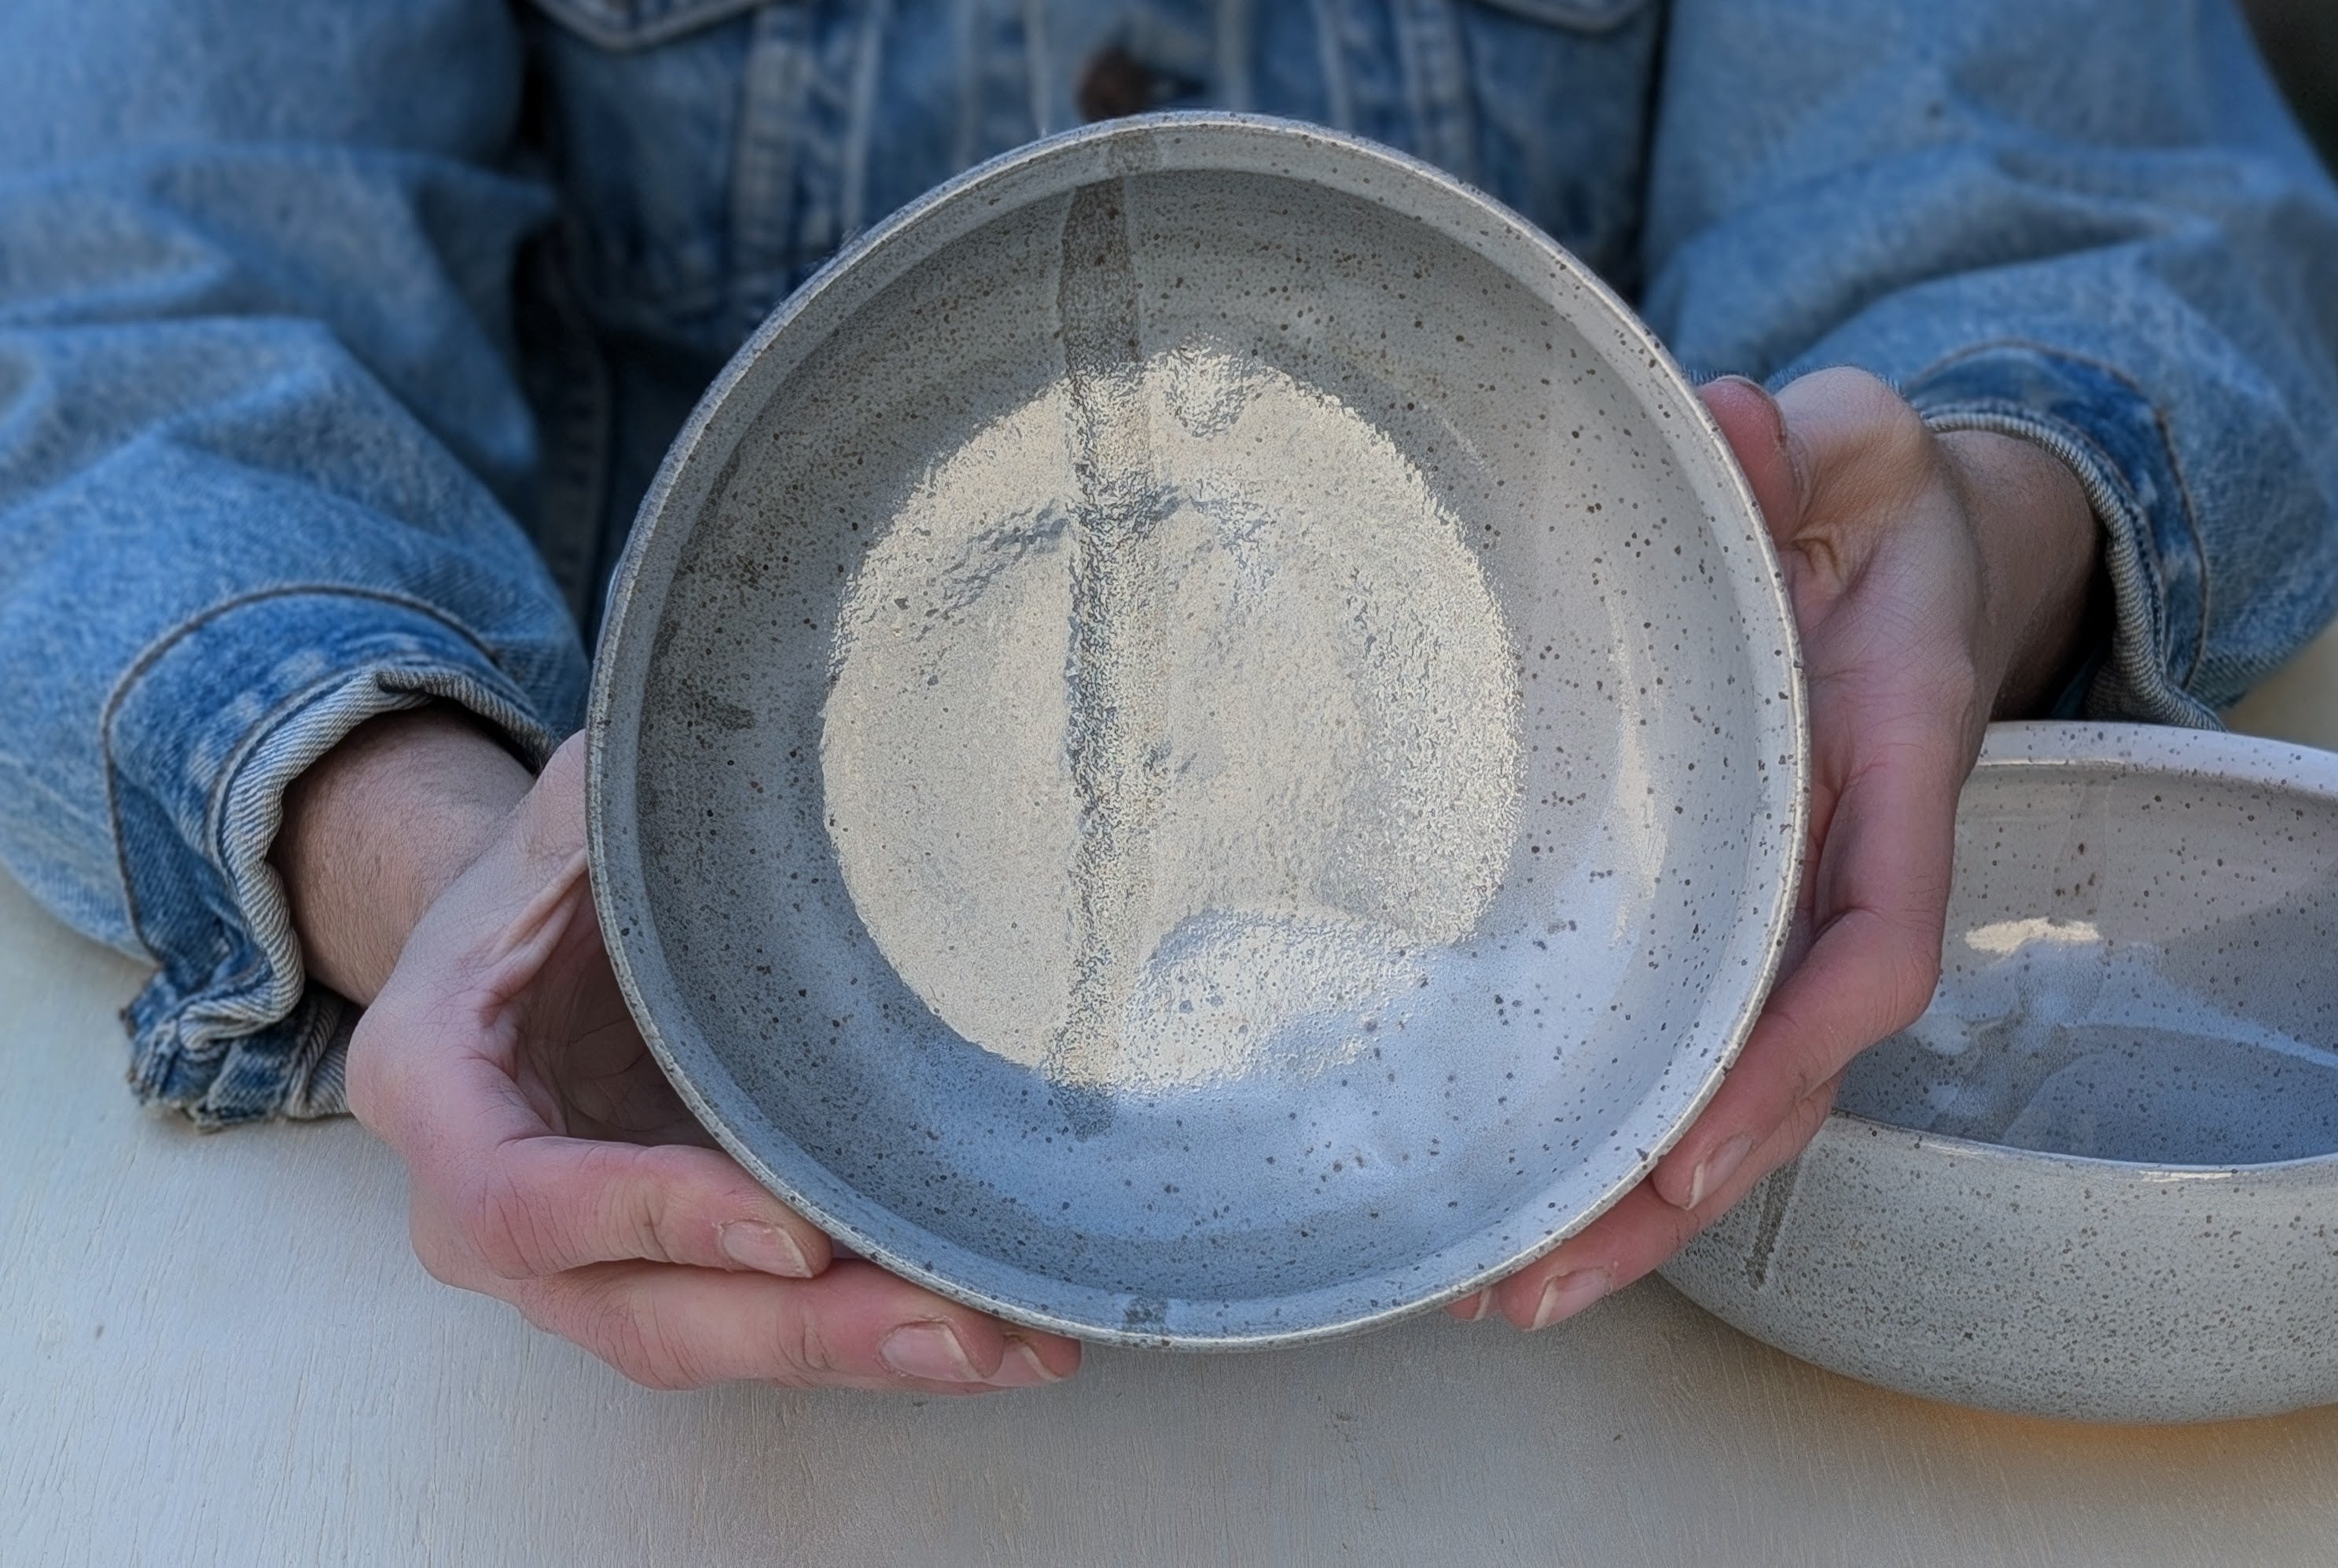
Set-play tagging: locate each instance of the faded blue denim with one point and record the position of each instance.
(338, 341)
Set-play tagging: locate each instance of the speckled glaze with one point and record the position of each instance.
(1634, 901)
(2099, 1180)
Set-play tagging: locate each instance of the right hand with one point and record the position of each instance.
(1936, 580)
(552, 1166)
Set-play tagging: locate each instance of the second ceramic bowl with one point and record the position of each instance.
(2099, 1178)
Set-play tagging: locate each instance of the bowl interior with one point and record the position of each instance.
(1201, 745)
(2138, 968)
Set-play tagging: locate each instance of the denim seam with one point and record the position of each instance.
(573, 483)
(852, 194)
(1338, 100)
(2120, 519)
(1237, 69)
(154, 653)
(1437, 85)
(1631, 254)
(965, 134)
(1037, 55)
(764, 151)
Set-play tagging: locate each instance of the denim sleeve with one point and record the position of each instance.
(2089, 224)
(259, 433)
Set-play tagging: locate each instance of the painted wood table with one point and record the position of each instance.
(218, 1349)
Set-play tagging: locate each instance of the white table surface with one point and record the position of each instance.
(218, 1349)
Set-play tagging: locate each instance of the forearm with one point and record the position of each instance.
(2040, 549)
(376, 828)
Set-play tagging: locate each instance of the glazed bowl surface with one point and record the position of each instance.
(1199, 743)
(2098, 1179)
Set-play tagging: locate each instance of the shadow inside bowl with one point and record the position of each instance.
(2138, 969)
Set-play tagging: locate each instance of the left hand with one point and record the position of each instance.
(551, 1165)
(1939, 580)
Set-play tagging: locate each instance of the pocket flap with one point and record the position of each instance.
(1584, 15)
(637, 23)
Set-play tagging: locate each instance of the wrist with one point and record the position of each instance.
(2041, 553)
(374, 831)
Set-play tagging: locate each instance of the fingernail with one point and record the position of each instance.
(752, 1244)
(1476, 1306)
(930, 1351)
(1718, 1168)
(1021, 1368)
(1569, 1294)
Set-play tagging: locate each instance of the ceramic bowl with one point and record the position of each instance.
(1198, 743)
(2099, 1178)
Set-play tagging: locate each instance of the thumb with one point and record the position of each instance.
(551, 820)
(1755, 428)
(544, 841)
(495, 925)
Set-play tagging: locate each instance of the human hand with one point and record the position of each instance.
(1937, 580)
(552, 1166)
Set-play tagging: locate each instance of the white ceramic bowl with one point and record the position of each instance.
(1198, 741)
(2099, 1178)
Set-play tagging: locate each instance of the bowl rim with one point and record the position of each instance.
(2145, 750)
(1128, 148)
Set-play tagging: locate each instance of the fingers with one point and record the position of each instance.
(538, 1206)
(1643, 1230)
(667, 1260)
(1881, 891)
(1887, 621)
(671, 1264)
(499, 1195)
(1837, 1003)
(856, 1327)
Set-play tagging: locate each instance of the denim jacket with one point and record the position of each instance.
(337, 342)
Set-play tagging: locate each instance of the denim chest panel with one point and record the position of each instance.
(712, 153)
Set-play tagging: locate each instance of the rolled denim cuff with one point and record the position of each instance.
(201, 739)
(2110, 436)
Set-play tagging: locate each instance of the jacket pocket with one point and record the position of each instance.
(1564, 91)
(645, 106)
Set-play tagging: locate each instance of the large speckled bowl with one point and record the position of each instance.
(1198, 743)
(2099, 1178)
